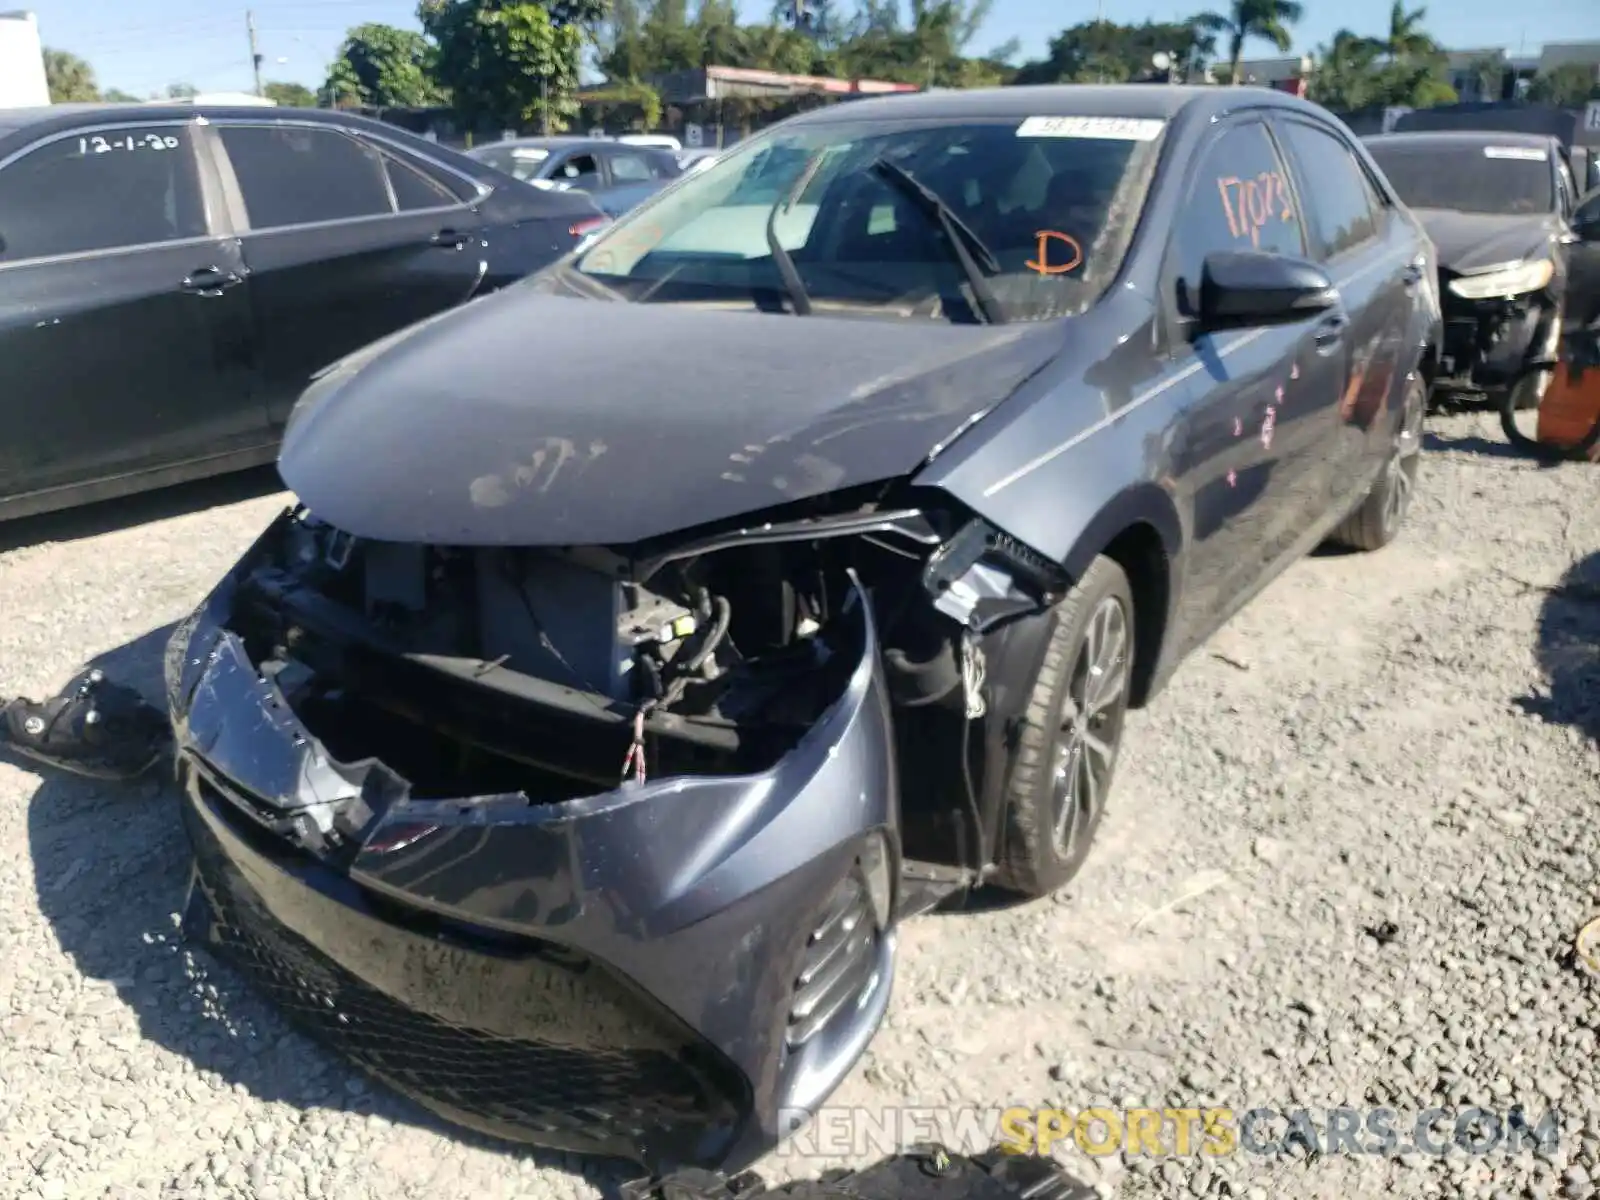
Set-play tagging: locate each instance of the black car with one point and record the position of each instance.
(172, 277)
(571, 756)
(1501, 209)
(614, 174)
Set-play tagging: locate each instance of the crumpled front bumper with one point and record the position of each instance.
(669, 972)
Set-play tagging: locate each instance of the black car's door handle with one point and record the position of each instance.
(210, 281)
(1330, 332)
(451, 239)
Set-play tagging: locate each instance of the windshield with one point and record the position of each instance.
(1472, 178)
(524, 162)
(1037, 214)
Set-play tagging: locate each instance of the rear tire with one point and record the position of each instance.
(1377, 521)
(1065, 760)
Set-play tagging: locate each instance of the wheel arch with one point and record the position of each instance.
(1140, 531)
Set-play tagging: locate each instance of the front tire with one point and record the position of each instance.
(1377, 522)
(1066, 756)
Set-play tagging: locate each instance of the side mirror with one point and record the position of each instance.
(1249, 287)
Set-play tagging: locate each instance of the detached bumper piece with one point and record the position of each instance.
(925, 1173)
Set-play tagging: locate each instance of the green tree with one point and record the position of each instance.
(182, 91)
(511, 62)
(383, 67)
(1406, 38)
(1567, 86)
(1346, 78)
(1252, 20)
(118, 96)
(1488, 71)
(69, 78)
(290, 95)
(1098, 51)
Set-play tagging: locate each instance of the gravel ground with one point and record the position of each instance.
(1376, 788)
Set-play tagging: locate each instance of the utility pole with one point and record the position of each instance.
(255, 50)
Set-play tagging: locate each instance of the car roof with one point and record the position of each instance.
(550, 143)
(47, 118)
(1137, 100)
(1461, 137)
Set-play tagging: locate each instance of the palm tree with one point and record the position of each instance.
(69, 78)
(1264, 20)
(1406, 38)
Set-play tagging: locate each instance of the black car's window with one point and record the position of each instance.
(1588, 210)
(1239, 199)
(1052, 200)
(292, 175)
(1343, 207)
(1468, 175)
(580, 171)
(414, 190)
(99, 191)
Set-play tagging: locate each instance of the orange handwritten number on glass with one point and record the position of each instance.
(1223, 184)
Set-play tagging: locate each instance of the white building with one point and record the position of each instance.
(22, 80)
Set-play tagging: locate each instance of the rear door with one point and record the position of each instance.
(1248, 457)
(125, 338)
(1583, 265)
(1368, 252)
(345, 243)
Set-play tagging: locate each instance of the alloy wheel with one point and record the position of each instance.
(1400, 473)
(1091, 726)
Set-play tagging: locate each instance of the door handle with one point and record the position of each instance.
(210, 281)
(1412, 275)
(1330, 332)
(450, 239)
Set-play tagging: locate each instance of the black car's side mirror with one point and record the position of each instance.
(1250, 287)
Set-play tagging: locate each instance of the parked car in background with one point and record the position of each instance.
(858, 606)
(1500, 209)
(171, 278)
(616, 175)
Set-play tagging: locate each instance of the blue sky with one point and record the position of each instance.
(143, 45)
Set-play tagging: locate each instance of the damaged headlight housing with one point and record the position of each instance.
(1505, 280)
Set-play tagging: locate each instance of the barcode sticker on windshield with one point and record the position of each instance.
(1519, 153)
(1122, 129)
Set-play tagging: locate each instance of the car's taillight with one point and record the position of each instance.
(587, 226)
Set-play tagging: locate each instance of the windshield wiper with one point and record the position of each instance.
(792, 283)
(963, 241)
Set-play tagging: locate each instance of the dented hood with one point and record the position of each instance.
(1472, 241)
(529, 419)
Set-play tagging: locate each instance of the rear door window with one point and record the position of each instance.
(633, 168)
(414, 190)
(1345, 210)
(293, 175)
(101, 190)
(1239, 198)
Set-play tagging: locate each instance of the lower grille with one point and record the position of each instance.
(838, 963)
(561, 1090)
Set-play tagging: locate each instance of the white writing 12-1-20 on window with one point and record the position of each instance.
(99, 144)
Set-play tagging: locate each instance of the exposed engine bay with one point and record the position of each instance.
(562, 672)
